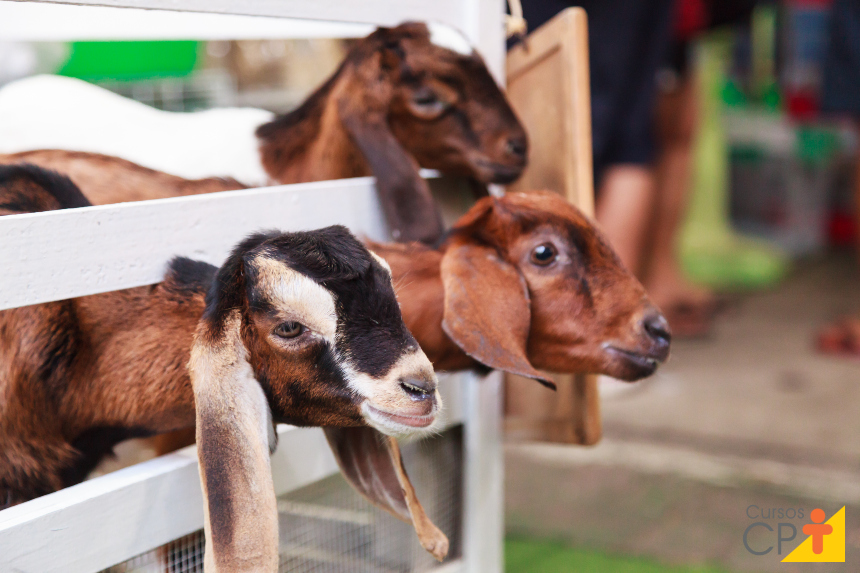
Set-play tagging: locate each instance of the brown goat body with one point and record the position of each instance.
(301, 328)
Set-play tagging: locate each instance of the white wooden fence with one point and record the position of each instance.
(62, 254)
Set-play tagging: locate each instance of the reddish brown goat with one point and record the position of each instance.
(526, 282)
(398, 101)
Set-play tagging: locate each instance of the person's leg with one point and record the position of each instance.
(665, 281)
(624, 205)
(624, 150)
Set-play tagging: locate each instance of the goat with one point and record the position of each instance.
(300, 328)
(412, 95)
(520, 283)
(525, 282)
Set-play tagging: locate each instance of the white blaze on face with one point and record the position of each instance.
(384, 395)
(450, 38)
(297, 297)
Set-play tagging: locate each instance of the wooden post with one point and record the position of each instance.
(548, 86)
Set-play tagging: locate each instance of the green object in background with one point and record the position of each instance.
(124, 61)
(711, 252)
(732, 95)
(817, 145)
(533, 556)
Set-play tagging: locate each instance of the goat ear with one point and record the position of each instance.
(234, 434)
(227, 290)
(371, 463)
(487, 311)
(406, 200)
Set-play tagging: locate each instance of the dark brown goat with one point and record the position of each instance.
(398, 101)
(300, 328)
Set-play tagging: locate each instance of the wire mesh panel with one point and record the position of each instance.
(183, 555)
(326, 527)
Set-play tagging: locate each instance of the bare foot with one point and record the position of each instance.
(841, 338)
(689, 308)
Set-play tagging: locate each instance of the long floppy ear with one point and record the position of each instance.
(234, 438)
(408, 205)
(371, 463)
(487, 310)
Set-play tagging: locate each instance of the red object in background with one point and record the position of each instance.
(802, 104)
(841, 229)
(690, 18)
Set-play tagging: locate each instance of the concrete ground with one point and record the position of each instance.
(750, 416)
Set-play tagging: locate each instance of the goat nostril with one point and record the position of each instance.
(517, 147)
(418, 389)
(657, 328)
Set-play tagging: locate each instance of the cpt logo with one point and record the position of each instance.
(825, 541)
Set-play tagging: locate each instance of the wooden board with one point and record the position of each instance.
(548, 86)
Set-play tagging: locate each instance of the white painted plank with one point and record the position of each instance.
(115, 517)
(77, 252)
(483, 511)
(104, 521)
(483, 474)
(379, 12)
(484, 24)
(44, 22)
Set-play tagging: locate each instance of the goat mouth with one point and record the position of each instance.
(401, 419)
(499, 173)
(637, 364)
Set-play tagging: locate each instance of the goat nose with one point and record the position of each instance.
(517, 147)
(657, 328)
(418, 388)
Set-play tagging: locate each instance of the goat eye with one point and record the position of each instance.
(425, 98)
(428, 102)
(543, 254)
(289, 329)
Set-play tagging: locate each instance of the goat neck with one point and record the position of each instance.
(310, 143)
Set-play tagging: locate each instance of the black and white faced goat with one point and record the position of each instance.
(304, 329)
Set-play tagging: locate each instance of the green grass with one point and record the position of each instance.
(533, 556)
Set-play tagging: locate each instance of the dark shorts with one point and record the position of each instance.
(841, 82)
(628, 41)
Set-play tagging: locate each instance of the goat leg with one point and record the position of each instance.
(372, 464)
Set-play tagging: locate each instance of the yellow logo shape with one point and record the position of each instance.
(833, 544)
